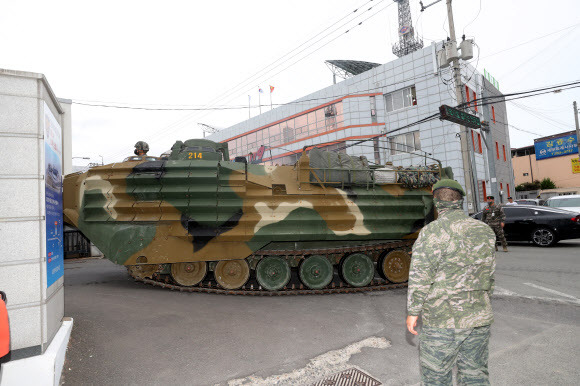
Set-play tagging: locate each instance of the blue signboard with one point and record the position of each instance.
(556, 147)
(53, 197)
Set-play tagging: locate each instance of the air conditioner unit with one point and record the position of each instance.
(466, 48)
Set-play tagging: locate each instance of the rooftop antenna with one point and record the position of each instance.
(408, 42)
(207, 128)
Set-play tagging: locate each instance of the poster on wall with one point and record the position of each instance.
(575, 165)
(53, 197)
(556, 147)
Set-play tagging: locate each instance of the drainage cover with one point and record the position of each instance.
(350, 377)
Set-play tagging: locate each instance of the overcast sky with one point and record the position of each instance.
(193, 53)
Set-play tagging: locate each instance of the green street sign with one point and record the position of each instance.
(457, 116)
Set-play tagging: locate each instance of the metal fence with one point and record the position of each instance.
(76, 244)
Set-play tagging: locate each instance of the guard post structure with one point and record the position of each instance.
(35, 138)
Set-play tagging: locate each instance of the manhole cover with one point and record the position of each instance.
(350, 377)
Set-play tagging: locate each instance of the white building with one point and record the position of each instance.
(386, 101)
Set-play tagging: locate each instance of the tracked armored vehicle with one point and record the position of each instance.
(199, 222)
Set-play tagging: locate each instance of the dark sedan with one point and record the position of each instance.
(540, 225)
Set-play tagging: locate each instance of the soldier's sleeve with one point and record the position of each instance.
(492, 274)
(422, 271)
(501, 214)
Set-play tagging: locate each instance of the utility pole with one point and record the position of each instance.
(577, 127)
(472, 202)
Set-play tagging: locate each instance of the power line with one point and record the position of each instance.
(263, 72)
(479, 102)
(530, 41)
(250, 79)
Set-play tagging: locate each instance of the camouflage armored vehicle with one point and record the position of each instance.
(254, 227)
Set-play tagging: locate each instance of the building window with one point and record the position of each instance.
(508, 190)
(504, 158)
(526, 174)
(313, 123)
(404, 143)
(474, 98)
(493, 113)
(476, 144)
(483, 194)
(497, 150)
(501, 186)
(400, 99)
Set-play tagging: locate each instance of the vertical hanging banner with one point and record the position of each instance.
(53, 197)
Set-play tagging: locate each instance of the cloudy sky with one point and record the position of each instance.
(184, 54)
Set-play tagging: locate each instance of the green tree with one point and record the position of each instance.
(547, 183)
(528, 186)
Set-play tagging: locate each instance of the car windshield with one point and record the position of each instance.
(563, 202)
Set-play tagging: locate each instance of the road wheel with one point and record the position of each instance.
(188, 274)
(544, 237)
(232, 274)
(316, 272)
(394, 266)
(357, 269)
(273, 273)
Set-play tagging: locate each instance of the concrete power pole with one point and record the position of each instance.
(472, 202)
(577, 127)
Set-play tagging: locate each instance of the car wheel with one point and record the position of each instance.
(544, 237)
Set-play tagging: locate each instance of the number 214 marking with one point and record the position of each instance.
(191, 155)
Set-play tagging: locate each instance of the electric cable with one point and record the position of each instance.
(245, 83)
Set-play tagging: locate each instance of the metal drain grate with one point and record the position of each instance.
(350, 377)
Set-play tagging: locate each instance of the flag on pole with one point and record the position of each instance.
(260, 90)
(271, 89)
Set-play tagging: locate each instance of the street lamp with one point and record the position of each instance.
(102, 162)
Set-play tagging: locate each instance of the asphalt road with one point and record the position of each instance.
(130, 333)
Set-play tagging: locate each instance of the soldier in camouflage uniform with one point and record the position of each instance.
(494, 216)
(141, 148)
(450, 283)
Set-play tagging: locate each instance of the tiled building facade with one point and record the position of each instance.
(383, 105)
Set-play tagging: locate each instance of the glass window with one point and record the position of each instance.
(398, 102)
(389, 102)
(563, 202)
(400, 99)
(404, 142)
(251, 138)
(417, 139)
(516, 212)
(301, 121)
(410, 142)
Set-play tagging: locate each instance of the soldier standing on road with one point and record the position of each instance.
(141, 148)
(494, 216)
(450, 283)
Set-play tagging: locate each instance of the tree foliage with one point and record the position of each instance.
(547, 183)
(536, 185)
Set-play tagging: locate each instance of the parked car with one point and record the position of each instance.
(569, 202)
(541, 225)
(530, 201)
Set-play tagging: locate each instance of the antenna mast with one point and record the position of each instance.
(408, 43)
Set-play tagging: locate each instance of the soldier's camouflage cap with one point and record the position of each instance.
(449, 184)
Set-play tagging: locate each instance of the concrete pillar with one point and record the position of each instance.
(31, 267)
